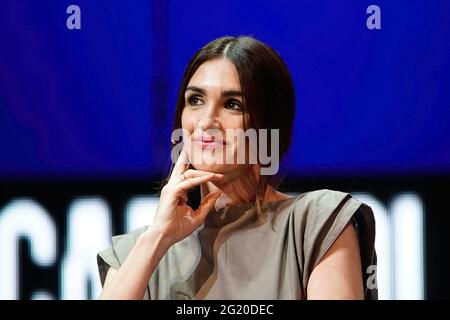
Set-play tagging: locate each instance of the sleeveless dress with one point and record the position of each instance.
(233, 255)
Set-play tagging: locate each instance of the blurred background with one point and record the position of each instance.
(87, 97)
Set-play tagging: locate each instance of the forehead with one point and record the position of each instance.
(220, 74)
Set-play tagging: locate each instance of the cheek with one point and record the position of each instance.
(232, 123)
(187, 121)
(188, 126)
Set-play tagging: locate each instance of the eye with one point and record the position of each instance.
(234, 105)
(194, 100)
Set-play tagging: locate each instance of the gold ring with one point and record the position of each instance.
(182, 174)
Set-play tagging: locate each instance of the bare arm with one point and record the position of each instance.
(174, 221)
(338, 275)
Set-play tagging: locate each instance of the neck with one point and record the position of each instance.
(238, 187)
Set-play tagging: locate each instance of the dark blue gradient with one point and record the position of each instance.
(99, 102)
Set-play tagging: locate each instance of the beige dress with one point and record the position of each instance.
(235, 256)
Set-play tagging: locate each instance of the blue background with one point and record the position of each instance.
(98, 102)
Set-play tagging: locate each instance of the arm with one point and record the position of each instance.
(174, 221)
(338, 275)
(130, 280)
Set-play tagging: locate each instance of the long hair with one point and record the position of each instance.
(267, 91)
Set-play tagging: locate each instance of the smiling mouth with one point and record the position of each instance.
(204, 142)
(207, 138)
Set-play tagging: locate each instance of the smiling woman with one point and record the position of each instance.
(244, 84)
(214, 103)
(244, 239)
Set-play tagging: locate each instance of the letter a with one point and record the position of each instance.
(374, 20)
(74, 20)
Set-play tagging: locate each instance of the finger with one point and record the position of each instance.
(187, 184)
(180, 166)
(188, 174)
(205, 206)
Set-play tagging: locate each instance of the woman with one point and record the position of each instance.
(245, 239)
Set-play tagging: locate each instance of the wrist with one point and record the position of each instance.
(155, 235)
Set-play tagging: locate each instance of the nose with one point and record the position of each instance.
(209, 119)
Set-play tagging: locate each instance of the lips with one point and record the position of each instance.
(208, 140)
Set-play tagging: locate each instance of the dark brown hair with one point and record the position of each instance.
(267, 91)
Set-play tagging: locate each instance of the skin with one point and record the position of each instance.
(213, 102)
(213, 105)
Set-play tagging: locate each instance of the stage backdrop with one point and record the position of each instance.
(99, 101)
(87, 96)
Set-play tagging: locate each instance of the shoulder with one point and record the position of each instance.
(336, 208)
(325, 197)
(321, 204)
(325, 216)
(322, 215)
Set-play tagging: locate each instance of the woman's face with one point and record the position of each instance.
(212, 113)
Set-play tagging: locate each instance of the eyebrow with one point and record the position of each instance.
(226, 93)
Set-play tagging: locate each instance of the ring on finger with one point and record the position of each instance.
(183, 176)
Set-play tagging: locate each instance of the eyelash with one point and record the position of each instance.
(191, 102)
(191, 98)
(239, 107)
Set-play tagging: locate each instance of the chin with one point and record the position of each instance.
(222, 168)
(214, 164)
(216, 168)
